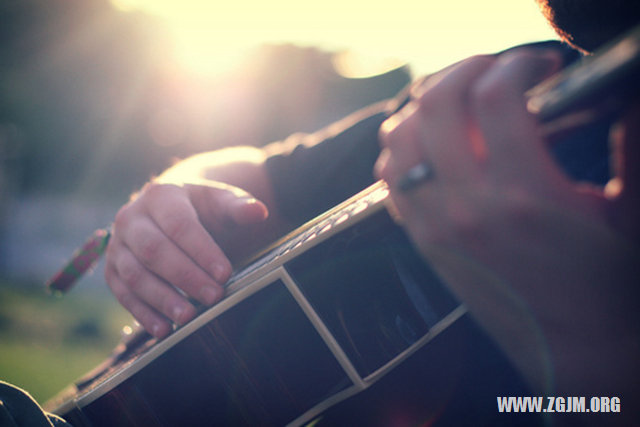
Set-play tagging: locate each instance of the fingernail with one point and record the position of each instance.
(220, 273)
(248, 210)
(177, 312)
(155, 330)
(209, 295)
(249, 200)
(243, 201)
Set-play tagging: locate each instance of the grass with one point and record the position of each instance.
(47, 342)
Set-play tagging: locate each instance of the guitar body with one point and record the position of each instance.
(341, 323)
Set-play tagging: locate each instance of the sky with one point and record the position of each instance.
(428, 34)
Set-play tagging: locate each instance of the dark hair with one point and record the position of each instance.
(587, 24)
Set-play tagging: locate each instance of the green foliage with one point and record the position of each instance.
(48, 342)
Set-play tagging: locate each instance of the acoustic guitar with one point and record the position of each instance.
(328, 313)
(340, 323)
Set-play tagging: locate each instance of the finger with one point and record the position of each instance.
(401, 145)
(151, 248)
(175, 215)
(396, 158)
(434, 127)
(510, 132)
(218, 205)
(445, 133)
(447, 128)
(153, 322)
(149, 288)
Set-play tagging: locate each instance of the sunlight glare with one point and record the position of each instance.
(212, 36)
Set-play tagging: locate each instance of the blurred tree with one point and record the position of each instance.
(92, 101)
(73, 77)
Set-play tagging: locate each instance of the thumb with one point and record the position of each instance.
(247, 210)
(219, 205)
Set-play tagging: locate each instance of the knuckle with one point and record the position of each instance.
(387, 137)
(488, 93)
(400, 131)
(448, 86)
(131, 274)
(480, 60)
(519, 58)
(123, 217)
(149, 248)
(382, 171)
(391, 127)
(431, 100)
(504, 82)
(176, 226)
(157, 191)
(152, 189)
(187, 278)
(384, 167)
(384, 131)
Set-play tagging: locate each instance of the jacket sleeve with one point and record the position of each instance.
(311, 173)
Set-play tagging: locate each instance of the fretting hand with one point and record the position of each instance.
(526, 248)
